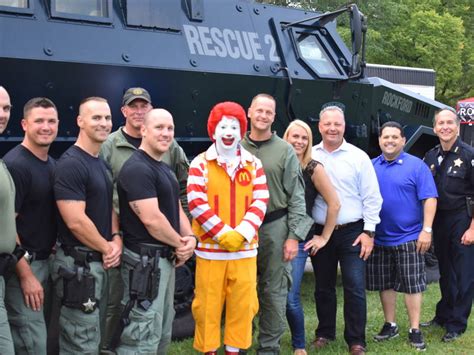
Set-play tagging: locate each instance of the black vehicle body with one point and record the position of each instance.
(191, 54)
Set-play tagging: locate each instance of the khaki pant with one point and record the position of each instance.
(79, 332)
(27, 326)
(229, 282)
(6, 342)
(149, 332)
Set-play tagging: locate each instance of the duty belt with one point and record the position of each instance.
(165, 251)
(79, 252)
(9, 260)
(31, 256)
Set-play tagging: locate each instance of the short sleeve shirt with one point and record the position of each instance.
(34, 199)
(7, 210)
(453, 172)
(80, 176)
(143, 177)
(404, 183)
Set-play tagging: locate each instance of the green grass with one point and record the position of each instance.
(464, 345)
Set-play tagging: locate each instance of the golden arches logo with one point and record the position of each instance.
(243, 177)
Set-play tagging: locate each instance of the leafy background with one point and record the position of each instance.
(432, 34)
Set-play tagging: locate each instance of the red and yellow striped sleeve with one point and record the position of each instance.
(254, 215)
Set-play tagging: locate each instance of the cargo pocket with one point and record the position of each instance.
(80, 332)
(141, 331)
(22, 335)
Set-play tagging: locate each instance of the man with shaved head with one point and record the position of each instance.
(8, 228)
(88, 230)
(157, 237)
(120, 145)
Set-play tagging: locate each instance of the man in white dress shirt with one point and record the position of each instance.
(353, 176)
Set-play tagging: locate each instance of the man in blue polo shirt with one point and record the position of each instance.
(404, 234)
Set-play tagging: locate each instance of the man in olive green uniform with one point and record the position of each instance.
(120, 145)
(285, 223)
(8, 228)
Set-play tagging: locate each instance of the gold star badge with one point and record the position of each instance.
(89, 306)
(458, 162)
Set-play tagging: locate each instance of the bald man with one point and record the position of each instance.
(157, 238)
(8, 227)
(88, 230)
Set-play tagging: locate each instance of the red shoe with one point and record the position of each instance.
(227, 352)
(211, 352)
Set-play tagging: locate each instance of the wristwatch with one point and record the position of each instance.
(428, 230)
(371, 234)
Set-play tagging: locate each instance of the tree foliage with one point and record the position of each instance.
(436, 34)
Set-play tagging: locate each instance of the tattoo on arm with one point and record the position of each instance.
(135, 208)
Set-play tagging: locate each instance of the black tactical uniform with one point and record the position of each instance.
(453, 172)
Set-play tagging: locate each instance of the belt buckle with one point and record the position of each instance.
(339, 226)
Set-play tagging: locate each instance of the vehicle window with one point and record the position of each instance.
(315, 56)
(15, 3)
(97, 8)
(152, 14)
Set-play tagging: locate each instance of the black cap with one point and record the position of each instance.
(135, 93)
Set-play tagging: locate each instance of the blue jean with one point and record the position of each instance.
(294, 309)
(340, 249)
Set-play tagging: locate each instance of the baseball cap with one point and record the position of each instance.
(135, 93)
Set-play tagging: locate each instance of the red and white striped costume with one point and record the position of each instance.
(220, 202)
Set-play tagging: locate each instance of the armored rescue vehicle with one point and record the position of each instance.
(191, 54)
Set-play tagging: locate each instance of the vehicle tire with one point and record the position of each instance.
(183, 324)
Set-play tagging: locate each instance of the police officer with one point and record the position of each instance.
(155, 228)
(32, 171)
(8, 228)
(116, 150)
(452, 165)
(88, 231)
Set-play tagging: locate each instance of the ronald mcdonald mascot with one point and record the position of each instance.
(228, 196)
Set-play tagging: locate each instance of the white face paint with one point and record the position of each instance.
(227, 136)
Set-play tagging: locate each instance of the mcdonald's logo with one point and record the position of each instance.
(243, 177)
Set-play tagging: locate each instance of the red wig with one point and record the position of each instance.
(228, 109)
